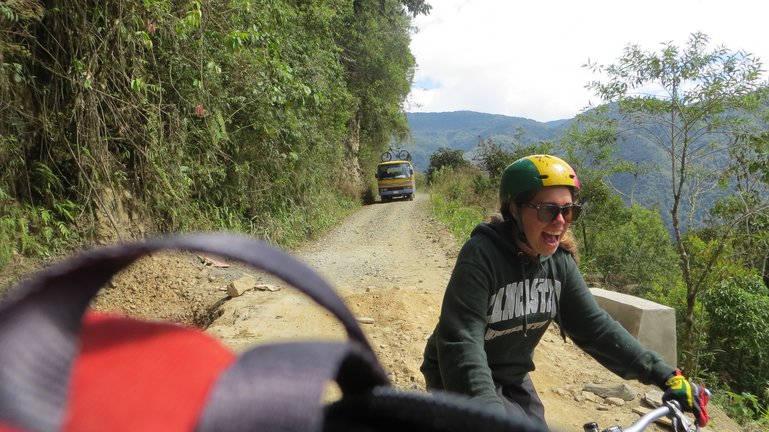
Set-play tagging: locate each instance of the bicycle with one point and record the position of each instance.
(395, 154)
(671, 409)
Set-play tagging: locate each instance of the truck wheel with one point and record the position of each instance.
(411, 197)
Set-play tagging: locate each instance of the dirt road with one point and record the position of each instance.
(390, 263)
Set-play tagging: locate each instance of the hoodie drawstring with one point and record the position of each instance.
(522, 261)
(557, 300)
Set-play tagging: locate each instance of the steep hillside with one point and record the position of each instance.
(258, 118)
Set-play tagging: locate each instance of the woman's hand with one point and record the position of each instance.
(691, 396)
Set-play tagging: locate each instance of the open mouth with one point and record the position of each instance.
(551, 238)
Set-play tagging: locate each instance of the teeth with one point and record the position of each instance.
(553, 233)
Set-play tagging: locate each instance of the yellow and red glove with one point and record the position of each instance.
(691, 396)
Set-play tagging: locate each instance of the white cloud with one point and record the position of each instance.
(525, 59)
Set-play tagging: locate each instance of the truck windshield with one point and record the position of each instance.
(394, 171)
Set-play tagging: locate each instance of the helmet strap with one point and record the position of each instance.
(520, 233)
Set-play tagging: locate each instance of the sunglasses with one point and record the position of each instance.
(548, 212)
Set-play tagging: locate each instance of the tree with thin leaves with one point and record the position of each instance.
(692, 102)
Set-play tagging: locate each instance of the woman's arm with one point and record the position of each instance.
(601, 336)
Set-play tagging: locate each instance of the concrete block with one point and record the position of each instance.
(652, 324)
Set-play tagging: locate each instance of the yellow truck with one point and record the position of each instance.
(395, 178)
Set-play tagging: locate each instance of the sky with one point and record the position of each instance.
(525, 58)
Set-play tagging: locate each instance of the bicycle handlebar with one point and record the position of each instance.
(671, 409)
(668, 410)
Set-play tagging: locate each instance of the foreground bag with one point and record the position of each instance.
(63, 367)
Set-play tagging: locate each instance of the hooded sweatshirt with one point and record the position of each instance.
(498, 304)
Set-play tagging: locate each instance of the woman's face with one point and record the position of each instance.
(544, 237)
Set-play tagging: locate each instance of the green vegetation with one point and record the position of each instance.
(445, 158)
(706, 98)
(161, 116)
(460, 198)
(714, 272)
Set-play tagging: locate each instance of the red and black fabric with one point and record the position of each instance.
(63, 367)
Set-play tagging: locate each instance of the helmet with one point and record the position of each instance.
(534, 172)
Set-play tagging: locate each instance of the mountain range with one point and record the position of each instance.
(463, 130)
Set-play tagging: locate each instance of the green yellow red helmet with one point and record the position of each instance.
(533, 172)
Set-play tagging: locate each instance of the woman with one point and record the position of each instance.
(515, 276)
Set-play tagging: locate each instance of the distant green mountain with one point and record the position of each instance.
(462, 130)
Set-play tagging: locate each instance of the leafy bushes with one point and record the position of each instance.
(460, 199)
(738, 308)
(634, 249)
(189, 115)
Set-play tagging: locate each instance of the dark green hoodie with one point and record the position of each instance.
(498, 304)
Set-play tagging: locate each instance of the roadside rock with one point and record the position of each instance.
(622, 391)
(240, 285)
(653, 398)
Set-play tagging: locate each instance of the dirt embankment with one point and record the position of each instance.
(390, 263)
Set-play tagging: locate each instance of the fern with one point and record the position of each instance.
(20, 10)
(7, 13)
(746, 408)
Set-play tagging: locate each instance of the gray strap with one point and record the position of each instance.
(279, 387)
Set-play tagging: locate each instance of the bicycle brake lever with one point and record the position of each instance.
(679, 419)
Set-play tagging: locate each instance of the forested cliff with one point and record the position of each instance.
(123, 118)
